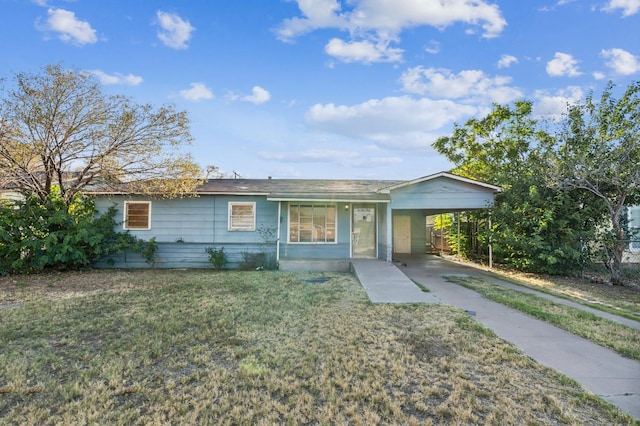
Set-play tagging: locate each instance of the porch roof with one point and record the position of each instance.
(332, 197)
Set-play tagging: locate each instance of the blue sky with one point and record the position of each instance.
(329, 88)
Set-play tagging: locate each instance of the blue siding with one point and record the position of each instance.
(441, 193)
(315, 251)
(188, 255)
(196, 220)
(184, 227)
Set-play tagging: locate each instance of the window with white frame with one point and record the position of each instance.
(137, 215)
(312, 223)
(242, 216)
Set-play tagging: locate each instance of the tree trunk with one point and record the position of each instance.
(618, 244)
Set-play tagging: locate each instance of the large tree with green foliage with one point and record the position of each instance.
(58, 128)
(598, 151)
(535, 227)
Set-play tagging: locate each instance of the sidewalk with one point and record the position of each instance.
(599, 370)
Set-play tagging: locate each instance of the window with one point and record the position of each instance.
(312, 223)
(137, 215)
(242, 216)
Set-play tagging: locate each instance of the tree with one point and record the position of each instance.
(57, 128)
(599, 152)
(534, 227)
(496, 147)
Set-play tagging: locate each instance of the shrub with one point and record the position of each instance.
(148, 250)
(36, 235)
(217, 258)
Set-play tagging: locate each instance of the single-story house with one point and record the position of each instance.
(298, 221)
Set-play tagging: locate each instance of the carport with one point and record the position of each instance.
(403, 222)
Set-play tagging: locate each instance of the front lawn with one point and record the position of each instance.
(201, 347)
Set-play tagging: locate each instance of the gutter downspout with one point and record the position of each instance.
(278, 239)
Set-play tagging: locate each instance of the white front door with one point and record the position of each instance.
(402, 234)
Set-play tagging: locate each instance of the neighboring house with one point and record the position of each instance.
(10, 196)
(299, 220)
(634, 225)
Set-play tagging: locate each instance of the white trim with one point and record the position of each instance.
(325, 200)
(230, 206)
(125, 212)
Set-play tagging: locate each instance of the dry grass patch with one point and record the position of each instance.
(591, 289)
(157, 347)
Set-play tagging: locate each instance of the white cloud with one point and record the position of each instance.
(117, 78)
(397, 122)
(598, 75)
(563, 64)
(506, 61)
(374, 24)
(621, 61)
(174, 31)
(309, 156)
(258, 96)
(629, 7)
(433, 47)
(197, 92)
(554, 105)
(335, 156)
(316, 14)
(392, 17)
(362, 51)
(470, 85)
(69, 28)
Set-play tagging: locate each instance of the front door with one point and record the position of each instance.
(363, 237)
(402, 234)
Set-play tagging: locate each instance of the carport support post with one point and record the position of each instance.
(458, 239)
(490, 244)
(389, 233)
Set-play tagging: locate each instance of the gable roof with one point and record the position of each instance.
(310, 189)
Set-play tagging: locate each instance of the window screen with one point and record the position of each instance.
(137, 215)
(242, 216)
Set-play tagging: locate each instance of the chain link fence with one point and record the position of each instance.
(600, 256)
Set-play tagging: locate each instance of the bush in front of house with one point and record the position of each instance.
(38, 234)
(217, 257)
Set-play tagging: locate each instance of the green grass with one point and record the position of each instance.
(624, 302)
(621, 338)
(202, 347)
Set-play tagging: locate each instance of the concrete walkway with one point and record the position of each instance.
(599, 370)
